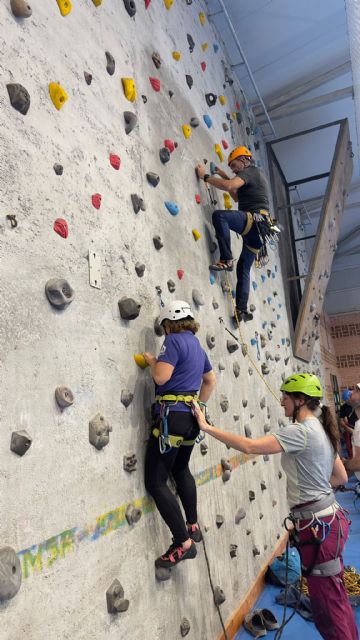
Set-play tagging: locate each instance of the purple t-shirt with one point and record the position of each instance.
(184, 352)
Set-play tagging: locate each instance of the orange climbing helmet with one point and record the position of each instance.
(238, 152)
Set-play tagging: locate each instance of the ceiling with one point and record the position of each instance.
(287, 43)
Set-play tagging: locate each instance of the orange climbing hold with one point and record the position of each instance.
(168, 4)
(203, 65)
(115, 161)
(155, 83)
(227, 201)
(219, 152)
(140, 360)
(180, 273)
(58, 95)
(202, 18)
(129, 89)
(65, 7)
(224, 144)
(176, 55)
(186, 130)
(197, 198)
(196, 234)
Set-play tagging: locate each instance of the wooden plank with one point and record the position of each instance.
(305, 105)
(307, 329)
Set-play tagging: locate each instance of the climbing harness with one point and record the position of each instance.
(268, 234)
(166, 440)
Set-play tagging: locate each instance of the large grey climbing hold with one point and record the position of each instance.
(198, 297)
(219, 596)
(252, 308)
(20, 8)
(265, 369)
(263, 340)
(126, 397)
(232, 345)
(236, 369)
(221, 366)
(210, 340)
(140, 269)
(256, 551)
(215, 304)
(158, 244)
(248, 531)
(58, 168)
(236, 417)
(226, 475)
(115, 598)
(244, 349)
(189, 80)
(88, 78)
(130, 7)
(219, 520)
(224, 403)
(191, 42)
(10, 573)
(132, 514)
(240, 515)
(129, 308)
(152, 178)
(171, 286)
(184, 627)
(225, 287)
(110, 63)
(158, 328)
(19, 97)
(130, 121)
(226, 469)
(225, 126)
(59, 293)
(244, 403)
(286, 360)
(99, 430)
(164, 155)
(203, 448)
(162, 574)
(251, 495)
(64, 397)
(20, 442)
(194, 122)
(137, 203)
(267, 428)
(263, 485)
(130, 462)
(233, 550)
(263, 403)
(248, 431)
(268, 355)
(277, 357)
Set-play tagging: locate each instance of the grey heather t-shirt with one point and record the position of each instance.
(308, 460)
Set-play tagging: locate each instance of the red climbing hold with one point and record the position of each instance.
(237, 105)
(203, 65)
(224, 144)
(180, 273)
(147, 2)
(198, 199)
(155, 83)
(169, 144)
(96, 200)
(61, 227)
(115, 161)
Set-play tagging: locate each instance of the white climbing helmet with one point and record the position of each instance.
(177, 310)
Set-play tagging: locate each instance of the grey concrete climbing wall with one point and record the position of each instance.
(89, 249)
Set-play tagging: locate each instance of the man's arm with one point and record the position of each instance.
(228, 184)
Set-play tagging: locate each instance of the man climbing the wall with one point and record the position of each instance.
(250, 190)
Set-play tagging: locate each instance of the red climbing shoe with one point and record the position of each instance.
(175, 554)
(194, 532)
(222, 265)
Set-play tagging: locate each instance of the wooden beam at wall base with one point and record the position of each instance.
(236, 620)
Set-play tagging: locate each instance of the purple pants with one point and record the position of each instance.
(332, 611)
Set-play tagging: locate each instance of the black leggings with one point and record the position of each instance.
(157, 469)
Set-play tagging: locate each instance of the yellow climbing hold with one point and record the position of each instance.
(129, 89)
(202, 18)
(222, 100)
(176, 55)
(233, 115)
(140, 360)
(227, 201)
(196, 234)
(168, 4)
(186, 130)
(205, 46)
(219, 152)
(97, 3)
(58, 95)
(65, 7)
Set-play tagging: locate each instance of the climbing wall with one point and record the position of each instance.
(102, 221)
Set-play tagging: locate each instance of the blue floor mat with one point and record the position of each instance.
(298, 628)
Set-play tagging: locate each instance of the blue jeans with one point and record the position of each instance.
(223, 222)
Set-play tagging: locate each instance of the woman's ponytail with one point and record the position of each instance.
(330, 427)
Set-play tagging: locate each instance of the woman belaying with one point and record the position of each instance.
(181, 369)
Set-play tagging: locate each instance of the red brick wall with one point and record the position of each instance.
(345, 338)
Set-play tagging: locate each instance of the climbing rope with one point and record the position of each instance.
(212, 587)
(351, 581)
(229, 288)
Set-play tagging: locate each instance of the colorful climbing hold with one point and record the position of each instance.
(203, 65)
(115, 161)
(147, 4)
(215, 47)
(58, 95)
(129, 89)
(196, 234)
(212, 278)
(170, 144)
(19, 97)
(65, 7)
(168, 4)
(224, 144)
(205, 46)
(197, 198)
(202, 18)
(219, 152)
(207, 121)
(254, 285)
(227, 201)
(186, 129)
(20, 8)
(176, 55)
(222, 100)
(172, 207)
(97, 3)
(110, 63)
(61, 227)
(96, 200)
(180, 273)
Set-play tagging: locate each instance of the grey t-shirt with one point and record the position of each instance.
(308, 460)
(254, 194)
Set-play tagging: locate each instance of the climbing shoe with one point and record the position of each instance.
(194, 532)
(268, 618)
(254, 624)
(176, 554)
(242, 315)
(222, 265)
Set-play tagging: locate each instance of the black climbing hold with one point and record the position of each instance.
(20, 442)
(10, 573)
(191, 42)
(140, 268)
(132, 514)
(236, 417)
(99, 430)
(59, 169)
(189, 81)
(248, 131)
(162, 574)
(171, 93)
(225, 126)
(130, 7)
(64, 397)
(203, 448)
(194, 122)
(110, 63)
(156, 59)
(251, 495)
(279, 475)
(164, 155)
(20, 8)
(238, 117)
(247, 430)
(286, 360)
(19, 97)
(115, 600)
(256, 551)
(59, 293)
(236, 369)
(244, 403)
(210, 339)
(88, 77)
(137, 203)
(210, 99)
(224, 403)
(263, 485)
(158, 328)
(171, 286)
(129, 308)
(153, 178)
(267, 428)
(248, 531)
(144, 98)
(219, 520)
(130, 462)
(215, 304)
(232, 345)
(12, 219)
(265, 369)
(266, 457)
(233, 550)
(184, 627)
(240, 515)
(158, 244)
(126, 397)
(274, 503)
(130, 121)
(219, 596)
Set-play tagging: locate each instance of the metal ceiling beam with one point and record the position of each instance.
(299, 107)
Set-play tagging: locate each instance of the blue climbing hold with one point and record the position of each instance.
(207, 121)
(263, 278)
(212, 278)
(278, 316)
(273, 275)
(254, 285)
(212, 168)
(258, 163)
(233, 293)
(264, 324)
(269, 300)
(249, 147)
(172, 208)
(253, 341)
(256, 131)
(275, 268)
(215, 47)
(283, 341)
(280, 305)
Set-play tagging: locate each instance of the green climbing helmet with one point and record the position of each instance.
(305, 383)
